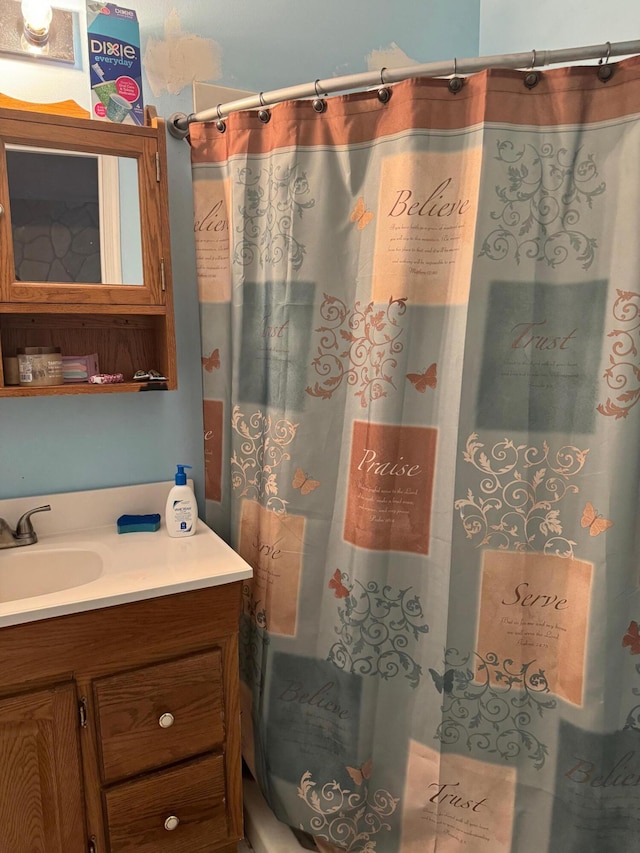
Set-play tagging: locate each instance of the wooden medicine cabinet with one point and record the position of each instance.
(85, 260)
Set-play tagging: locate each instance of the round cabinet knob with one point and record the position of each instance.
(171, 823)
(166, 720)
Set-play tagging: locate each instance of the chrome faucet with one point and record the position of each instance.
(24, 534)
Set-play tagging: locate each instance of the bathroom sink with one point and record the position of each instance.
(26, 574)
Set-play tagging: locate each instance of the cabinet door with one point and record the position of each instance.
(84, 217)
(41, 798)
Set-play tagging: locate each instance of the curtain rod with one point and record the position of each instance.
(178, 123)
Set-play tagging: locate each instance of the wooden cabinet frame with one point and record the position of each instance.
(130, 326)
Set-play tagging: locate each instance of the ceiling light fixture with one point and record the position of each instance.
(36, 16)
(34, 29)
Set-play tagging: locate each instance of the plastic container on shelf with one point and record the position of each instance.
(40, 366)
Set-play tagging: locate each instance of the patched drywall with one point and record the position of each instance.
(179, 59)
(389, 57)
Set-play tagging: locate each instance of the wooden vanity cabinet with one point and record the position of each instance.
(130, 326)
(120, 729)
(41, 801)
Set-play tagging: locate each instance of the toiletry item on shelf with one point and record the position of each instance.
(181, 512)
(106, 378)
(78, 368)
(11, 370)
(40, 366)
(150, 375)
(138, 523)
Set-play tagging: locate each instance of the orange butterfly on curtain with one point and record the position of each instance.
(422, 381)
(596, 523)
(335, 583)
(360, 215)
(632, 638)
(303, 482)
(211, 361)
(360, 774)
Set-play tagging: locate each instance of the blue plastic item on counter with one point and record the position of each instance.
(138, 523)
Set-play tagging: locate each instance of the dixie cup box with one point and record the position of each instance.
(114, 61)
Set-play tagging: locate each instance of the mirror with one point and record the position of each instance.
(75, 216)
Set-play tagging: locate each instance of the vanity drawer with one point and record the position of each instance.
(140, 813)
(159, 715)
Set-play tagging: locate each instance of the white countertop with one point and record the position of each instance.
(135, 566)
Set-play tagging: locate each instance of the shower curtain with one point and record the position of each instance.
(420, 320)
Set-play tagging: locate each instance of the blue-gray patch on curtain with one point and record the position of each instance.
(420, 326)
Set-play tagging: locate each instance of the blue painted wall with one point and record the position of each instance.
(283, 42)
(511, 27)
(53, 444)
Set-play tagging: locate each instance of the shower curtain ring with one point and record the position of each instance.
(605, 71)
(220, 123)
(455, 83)
(263, 115)
(319, 104)
(384, 93)
(532, 78)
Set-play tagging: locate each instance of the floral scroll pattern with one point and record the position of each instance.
(347, 818)
(495, 718)
(633, 717)
(262, 450)
(358, 347)
(515, 508)
(273, 198)
(376, 625)
(253, 636)
(540, 212)
(632, 640)
(623, 373)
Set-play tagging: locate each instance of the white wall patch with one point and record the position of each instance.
(389, 57)
(180, 58)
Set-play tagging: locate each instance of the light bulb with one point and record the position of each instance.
(37, 16)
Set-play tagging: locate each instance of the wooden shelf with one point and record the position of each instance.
(80, 388)
(47, 308)
(125, 342)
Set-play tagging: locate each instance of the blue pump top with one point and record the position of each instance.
(181, 477)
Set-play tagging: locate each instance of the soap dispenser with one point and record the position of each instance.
(181, 512)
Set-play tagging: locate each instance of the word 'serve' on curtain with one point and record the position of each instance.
(420, 325)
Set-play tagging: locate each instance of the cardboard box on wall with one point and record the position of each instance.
(114, 60)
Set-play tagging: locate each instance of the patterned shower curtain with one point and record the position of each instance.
(420, 320)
